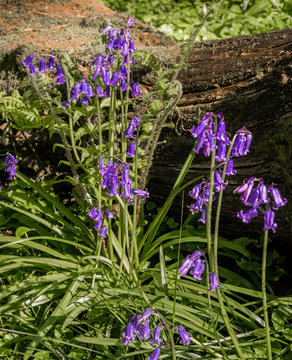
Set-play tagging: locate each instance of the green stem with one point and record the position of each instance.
(209, 212)
(264, 295)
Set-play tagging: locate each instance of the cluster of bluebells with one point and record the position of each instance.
(44, 66)
(195, 265)
(139, 327)
(260, 198)
(211, 138)
(116, 180)
(10, 166)
(110, 69)
(99, 216)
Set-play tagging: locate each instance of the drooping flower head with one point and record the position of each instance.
(213, 282)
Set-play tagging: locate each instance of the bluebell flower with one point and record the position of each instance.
(269, 221)
(186, 265)
(221, 131)
(135, 90)
(128, 334)
(195, 192)
(32, 70)
(51, 64)
(278, 200)
(229, 168)
(103, 232)
(42, 66)
(185, 337)
(263, 193)
(130, 21)
(214, 282)
(246, 217)
(198, 269)
(197, 206)
(28, 61)
(219, 184)
(156, 336)
(131, 150)
(155, 354)
(60, 80)
(142, 193)
(145, 331)
(10, 161)
(203, 216)
(221, 153)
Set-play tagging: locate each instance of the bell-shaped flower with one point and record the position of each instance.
(278, 200)
(269, 221)
(246, 217)
(220, 134)
(247, 143)
(155, 354)
(145, 331)
(131, 150)
(51, 63)
(219, 184)
(135, 90)
(42, 66)
(156, 336)
(185, 337)
(254, 198)
(195, 192)
(103, 232)
(186, 265)
(214, 282)
(142, 193)
(229, 168)
(197, 254)
(197, 206)
(32, 69)
(203, 216)
(263, 194)
(221, 153)
(128, 334)
(198, 269)
(28, 61)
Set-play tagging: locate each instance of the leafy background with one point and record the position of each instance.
(177, 18)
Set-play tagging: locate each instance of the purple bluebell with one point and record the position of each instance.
(247, 216)
(42, 66)
(220, 134)
(135, 90)
(137, 324)
(197, 254)
(59, 72)
(146, 314)
(106, 76)
(156, 336)
(28, 61)
(65, 104)
(128, 334)
(195, 192)
(278, 200)
(131, 150)
(99, 91)
(145, 331)
(131, 46)
(269, 221)
(83, 87)
(124, 70)
(10, 161)
(198, 269)
(229, 168)
(98, 219)
(155, 354)
(186, 265)
(214, 282)
(113, 184)
(221, 153)
(93, 212)
(60, 80)
(142, 193)
(109, 214)
(123, 85)
(130, 21)
(203, 216)
(73, 94)
(114, 79)
(107, 91)
(196, 131)
(245, 189)
(247, 142)
(200, 143)
(106, 29)
(51, 63)
(127, 193)
(263, 193)
(185, 337)
(125, 49)
(197, 206)
(89, 91)
(32, 70)
(219, 184)
(254, 198)
(85, 100)
(103, 232)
